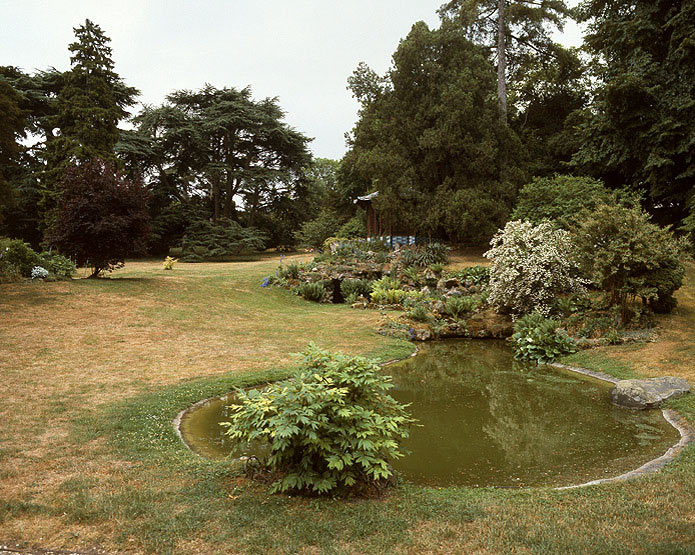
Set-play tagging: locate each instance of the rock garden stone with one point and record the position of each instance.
(490, 324)
(649, 393)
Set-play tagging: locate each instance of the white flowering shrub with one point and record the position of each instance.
(37, 272)
(530, 266)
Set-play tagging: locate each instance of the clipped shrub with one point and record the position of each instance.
(629, 257)
(540, 339)
(353, 288)
(205, 240)
(457, 307)
(314, 291)
(331, 427)
(58, 265)
(531, 265)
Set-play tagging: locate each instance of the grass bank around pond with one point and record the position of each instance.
(93, 372)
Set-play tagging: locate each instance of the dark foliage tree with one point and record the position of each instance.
(216, 148)
(429, 138)
(89, 105)
(12, 125)
(638, 131)
(101, 217)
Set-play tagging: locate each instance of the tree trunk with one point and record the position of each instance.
(502, 59)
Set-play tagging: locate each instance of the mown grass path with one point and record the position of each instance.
(93, 371)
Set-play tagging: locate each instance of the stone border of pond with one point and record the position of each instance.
(686, 431)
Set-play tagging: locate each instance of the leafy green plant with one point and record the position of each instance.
(354, 228)
(314, 232)
(356, 287)
(419, 313)
(629, 257)
(386, 282)
(313, 291)
(388, 296)
(289, 271)
(331, 427)
(540, 339)
(474, 275)
(421, 256)
(457, 307)
(58, 265)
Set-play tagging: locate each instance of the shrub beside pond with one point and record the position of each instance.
(331, 427)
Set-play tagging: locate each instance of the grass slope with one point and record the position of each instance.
(93, 372)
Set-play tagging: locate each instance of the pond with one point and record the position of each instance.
(488, 420)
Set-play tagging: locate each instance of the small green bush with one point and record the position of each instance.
(474, 275)
(356, 287)
(539, 339)
(386, 282)
(60, 266)
(315, 291)
(289, 271)
(419, 313)
(457, 307)
(421, 256)
(331, 427)
(354, 228)
(388, 296)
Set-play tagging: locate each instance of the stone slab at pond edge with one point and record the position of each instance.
(649, 393)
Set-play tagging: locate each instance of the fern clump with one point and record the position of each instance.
(331, 427)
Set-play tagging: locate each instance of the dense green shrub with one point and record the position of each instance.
(16, 256)
(531, 265)
(289, 271)
(354, 228)
(419, 313)
(457, 307)
(332, 426)
(313, 291)
(314, 232)
(205, 240)
(386, 290)
(355, 287)
(474, 275)
(560, 198)
(629, 257)
(58, 265)
(539, 339)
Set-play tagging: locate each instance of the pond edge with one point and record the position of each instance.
(686, 431)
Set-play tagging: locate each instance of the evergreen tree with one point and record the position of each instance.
(90, 104)
(430, 140)
(12, 124)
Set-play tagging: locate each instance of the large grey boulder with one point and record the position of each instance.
(648, 394)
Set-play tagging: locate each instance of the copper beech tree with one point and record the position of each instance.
(101, 217)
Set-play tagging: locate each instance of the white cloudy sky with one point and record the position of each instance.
(299, 50)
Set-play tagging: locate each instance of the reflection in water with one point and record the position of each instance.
(486, 419)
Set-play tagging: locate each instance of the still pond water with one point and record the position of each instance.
(486, 419)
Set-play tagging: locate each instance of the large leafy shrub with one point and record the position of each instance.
(457, 307)
(530, 266)
(386, 290)
(354, 228)
(101, 218)
(540, 339)
(628, 256)
(314, 232)
(332, 426)
(560, 198)
(205, 240)
(355, 288)
(18, 257)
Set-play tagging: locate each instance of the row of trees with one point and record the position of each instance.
(468, 113)
(473, 109)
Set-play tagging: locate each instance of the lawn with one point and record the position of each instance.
(93, 372)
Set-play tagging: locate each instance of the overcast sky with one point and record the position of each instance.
(301, 51)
